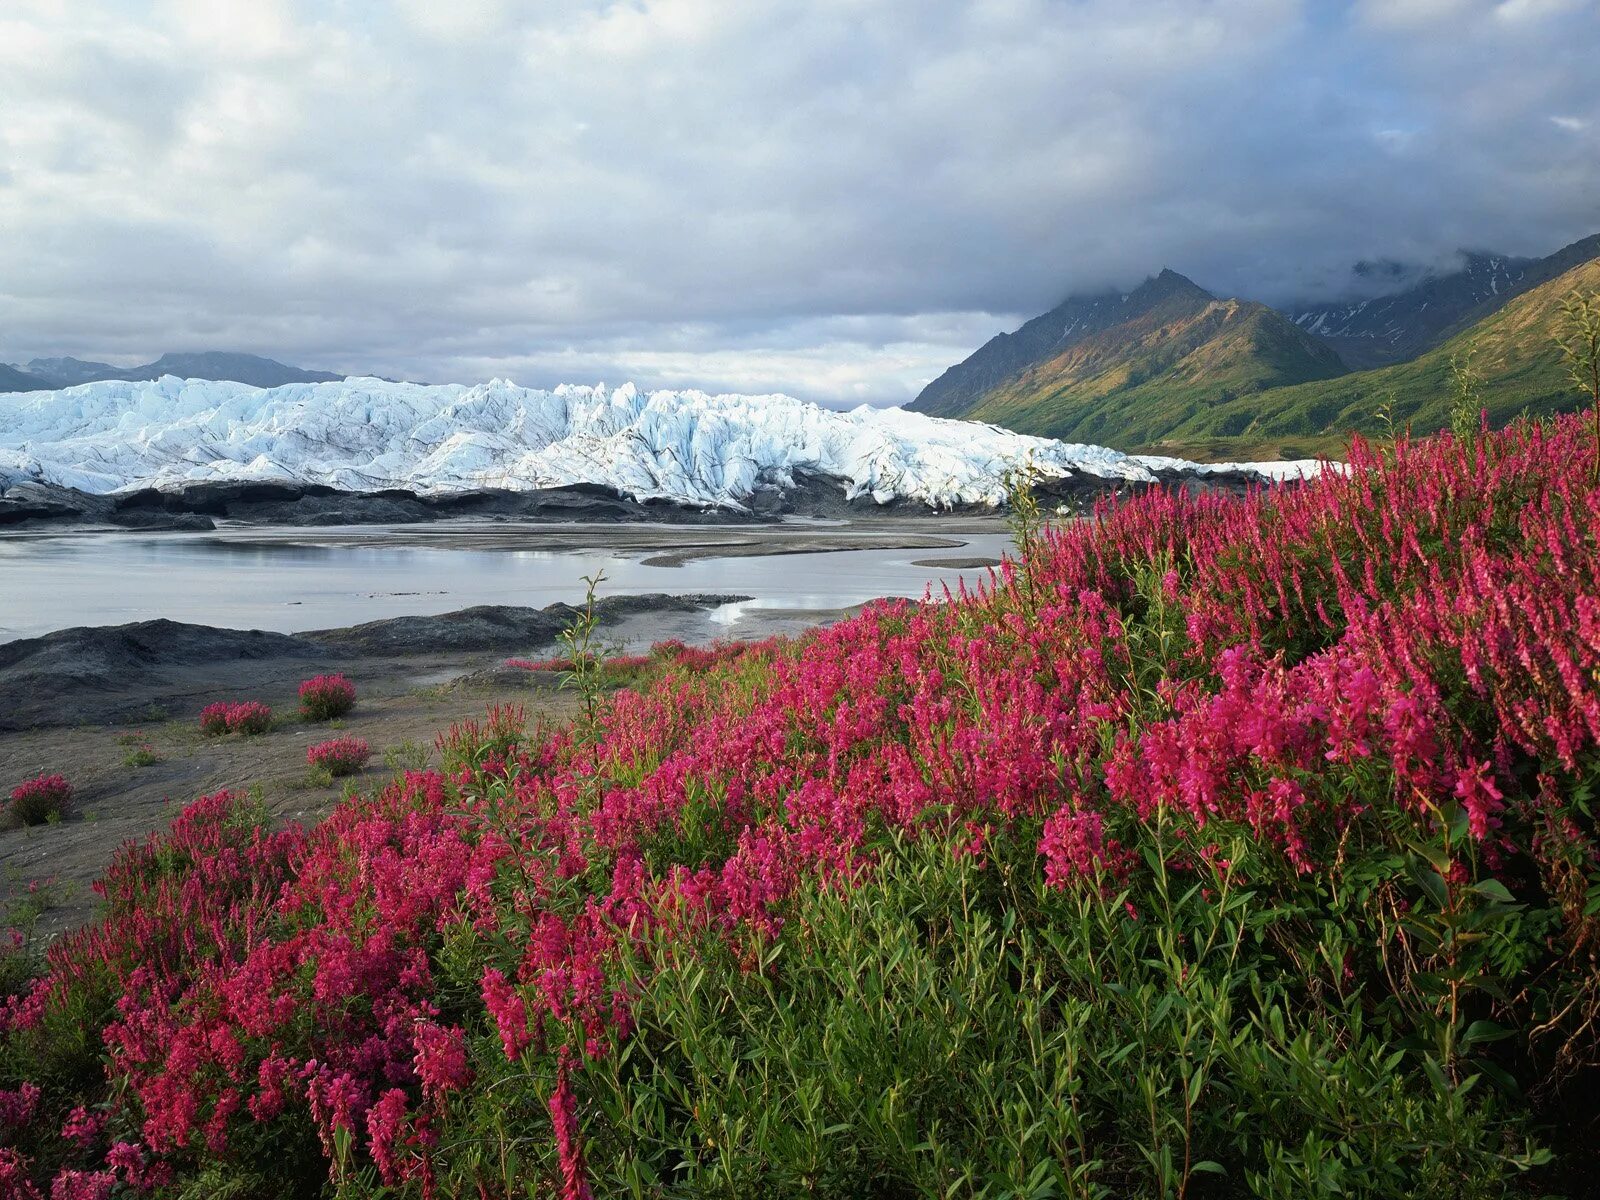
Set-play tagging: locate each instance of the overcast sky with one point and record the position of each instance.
(831, 198)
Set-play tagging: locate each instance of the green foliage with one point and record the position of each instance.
(407, 756)
(586, 670)
(1466, 388)
(1022, 505)
(142, 755)
(1579, 339)
(952, 1027)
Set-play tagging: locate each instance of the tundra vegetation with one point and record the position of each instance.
(1216, 847)
(244, 717)
(326, 698)
(339, 756)
(40, 799)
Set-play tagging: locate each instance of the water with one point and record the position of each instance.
(276, 580)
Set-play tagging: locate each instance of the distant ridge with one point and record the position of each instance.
(1081, 369)
(1395, 328)
(14, 379)
(67, 372)
(1513, 349)
(210, 364)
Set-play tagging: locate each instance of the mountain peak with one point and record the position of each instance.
(1169, 283)
(1068, 372)
(1398, 325)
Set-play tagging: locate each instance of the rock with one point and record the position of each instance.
(146, 519)
(89, 673)
(956, 564)
(492, 627)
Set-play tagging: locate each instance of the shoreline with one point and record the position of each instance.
(110, 674)
(292, 578)
(32, 504)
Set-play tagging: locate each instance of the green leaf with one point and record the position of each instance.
(1435, 1073)
(1502, 1078)
(1480, 1032)
(1430, 881)
(1493, 889)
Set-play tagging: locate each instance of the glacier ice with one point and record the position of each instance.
(366, 434)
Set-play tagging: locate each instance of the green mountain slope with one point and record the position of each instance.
(1513, 349)
(1152, 360)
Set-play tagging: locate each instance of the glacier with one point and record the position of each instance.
(688, 447)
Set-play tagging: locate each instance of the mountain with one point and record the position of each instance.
(367, 435)
(1128, 365)
(1383, 330)
(67, 372)
(1513, 349)
(211, 364)
(14, 379)
(1075, 319)
(239, 368)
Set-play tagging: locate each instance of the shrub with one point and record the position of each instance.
(140, 754)
(407, 756)
(326, 697)
(40, 799)
(227, 716)
(341, 756)
(214, 718)
(1221, 846)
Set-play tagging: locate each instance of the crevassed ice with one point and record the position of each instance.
(363, 434)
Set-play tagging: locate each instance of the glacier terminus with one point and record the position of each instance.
(687, 447)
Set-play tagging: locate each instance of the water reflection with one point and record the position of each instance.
(52, 582)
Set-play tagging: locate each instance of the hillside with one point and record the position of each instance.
(1151, 359)
(1221, 847)
(1514, 350)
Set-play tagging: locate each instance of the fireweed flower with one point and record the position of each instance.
(341, 756)
(326, 697)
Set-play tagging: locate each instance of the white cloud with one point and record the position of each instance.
(456, 20)
(1539, 10)
(1414, 14)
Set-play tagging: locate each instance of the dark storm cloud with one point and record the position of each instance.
(834, 198)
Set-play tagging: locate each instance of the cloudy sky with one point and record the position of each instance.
(832, 198)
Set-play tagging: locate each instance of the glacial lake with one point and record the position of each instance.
(290, 580)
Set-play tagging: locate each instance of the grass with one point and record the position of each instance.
(142, 755)
(407, 756)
